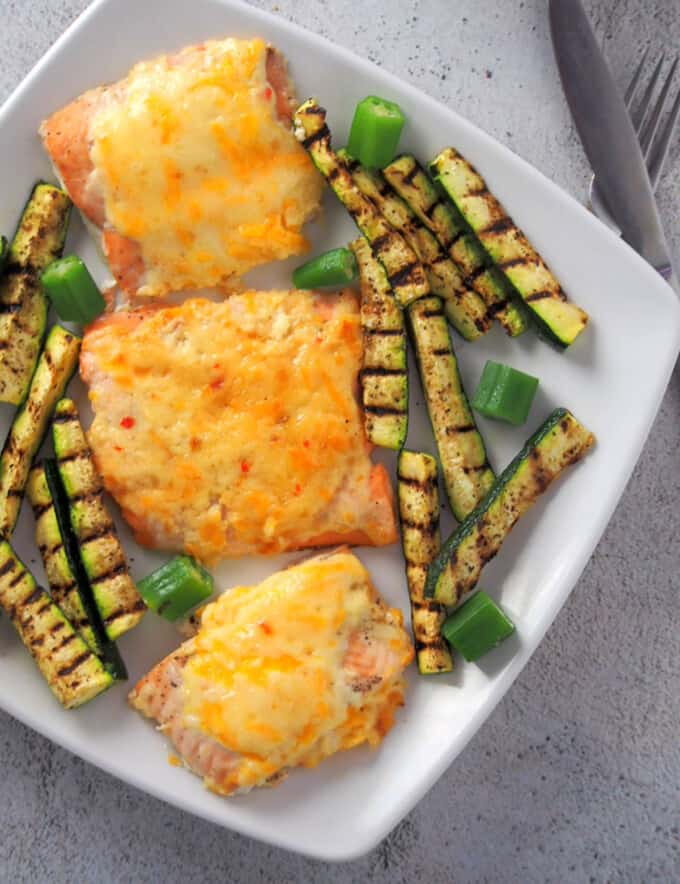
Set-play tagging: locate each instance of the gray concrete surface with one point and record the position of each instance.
(576, 776)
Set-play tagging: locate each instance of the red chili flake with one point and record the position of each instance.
(245, 466)
(217, 383)
(117, 448)
(195, 443)
(265, 627)
(306, 443)
(298, 489)
(127, 422)
(267, 93)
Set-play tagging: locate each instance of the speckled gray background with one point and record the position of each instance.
(576, 776)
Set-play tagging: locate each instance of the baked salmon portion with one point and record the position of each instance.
(189, 167)
(233, 427)
(281, 675)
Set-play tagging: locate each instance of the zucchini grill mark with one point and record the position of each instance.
(64, 586)
(419, 517)
(100, 552)
(404, 271)
(465, 467)
(464, 308)
(383, 377)
(525, 272)
(39, 240)
(73, 672)
(53, 371)
(413, 184)
(558, 443)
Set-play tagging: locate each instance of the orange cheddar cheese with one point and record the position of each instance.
(308, 663)
(230, 428)
(189, 167)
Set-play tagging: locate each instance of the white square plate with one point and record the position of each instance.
(613, 379)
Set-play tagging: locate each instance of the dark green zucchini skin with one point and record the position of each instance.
(464, 309)
(54, 370)
(462, 454)
(73, 672)
(68, 585)
(384, 371)
(413, 184)
(404, 271)
(419, 520)
(60, 576)
(39, 240)
(558, 319)
(106, 649)
(101, 553)
(560, 441)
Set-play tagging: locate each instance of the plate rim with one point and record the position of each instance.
(533, 635)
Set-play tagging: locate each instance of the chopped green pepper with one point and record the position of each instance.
(505, 394)
(72, 290)
(476, 627)
(337, 267)
(176, 587)
(376, 129)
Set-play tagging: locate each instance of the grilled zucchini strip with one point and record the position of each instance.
(23, 321)
(464, 309)
(41, 233)
(120, 605)
(75, 675)
(61, 576)
(559, 442)
(55, 367)
(419, 518)
(505, 244)
(50, 542)
(38, 241)
(384, 371)
(404, 271)
(413, 184)
(103, 647)
(465, 467)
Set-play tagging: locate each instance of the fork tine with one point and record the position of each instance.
(648, 131)
(632, 86)
(659, 152)
(639, 114)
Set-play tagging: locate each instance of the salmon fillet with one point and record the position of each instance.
(280, 675)
(188, 166)
(231, 428)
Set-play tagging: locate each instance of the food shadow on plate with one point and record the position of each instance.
(583, 352)
(493, 663)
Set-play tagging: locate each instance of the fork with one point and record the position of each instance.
(646, 120)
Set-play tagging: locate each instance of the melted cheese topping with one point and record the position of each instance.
(231, 428)
(270, 676)
(196, 167)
